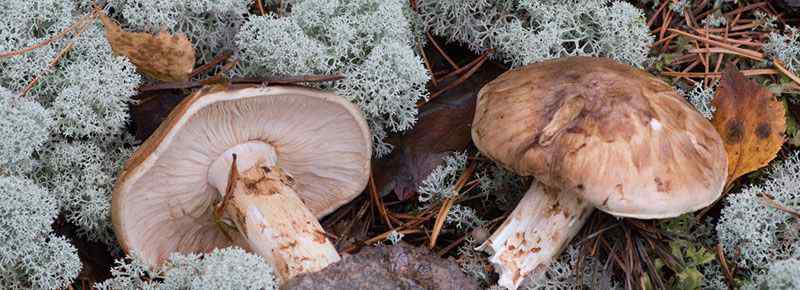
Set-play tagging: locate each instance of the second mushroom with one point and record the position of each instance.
(252, 167)
(595, 134)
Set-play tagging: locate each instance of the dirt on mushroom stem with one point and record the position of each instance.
(260, 205)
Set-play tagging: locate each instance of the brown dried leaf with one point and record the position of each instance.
(443, 127)
(161, 56)
(751, 122)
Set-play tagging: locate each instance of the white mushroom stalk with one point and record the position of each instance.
(260, 205)
(544, 221)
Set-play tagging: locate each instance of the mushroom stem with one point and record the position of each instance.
(261, 206)
(268, 213)
(535, 233)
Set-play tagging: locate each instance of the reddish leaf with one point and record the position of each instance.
(751, 122)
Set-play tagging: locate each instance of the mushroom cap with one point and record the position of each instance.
(619, 137)
(163, 200)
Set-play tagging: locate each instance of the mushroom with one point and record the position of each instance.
(252, 167)
(595, 134)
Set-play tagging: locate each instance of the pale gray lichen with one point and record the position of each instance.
(700, 97)
(370, 42)
(679, 6)
(507, 187)
(91, 93)
(25, 23)
(785, 47)
(24, 128)
(81, 175)
(531, 31)
(781, 275)
(473, 262)
(228, 268)
(31, 257)
(566, 274)
(463, 218)
(439, 184)
(754, 234)
(715, 19)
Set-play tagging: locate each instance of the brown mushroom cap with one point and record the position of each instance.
(617, 136)
(164, 198)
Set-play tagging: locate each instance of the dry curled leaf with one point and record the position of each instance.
(162, 56)
(443, 127)
(751, 122)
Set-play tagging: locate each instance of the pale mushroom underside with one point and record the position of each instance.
(163, 201)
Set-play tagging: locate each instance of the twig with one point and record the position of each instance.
(222, 56)
(427, 63)
(378, 202)
(260, 8)
(779, 65)
(440, 218)
(745, 8)
(770, 201)
(49, 67)
(745, 52)
(460, 80)
(441, 51)
(655, 14)
(448, 203)
(726, 270)
(748, 72)
(79, 25)
(245, 80)
(469, 65)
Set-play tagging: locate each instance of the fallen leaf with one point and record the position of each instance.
(751, 122)
(443, 127)
(161, 56)
(151, 108)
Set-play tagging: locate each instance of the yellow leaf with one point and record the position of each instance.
(751, 122)
(161, 56)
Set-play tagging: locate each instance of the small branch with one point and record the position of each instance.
(222, 56)
(448, 203)
(460, 80)
(49, 67)
(478, 60)
(441, 51)
(655, 14)
(427, 63)
(79, 25)
(378, 202)
(245, 80)
(440, 218)
(779, 65)
(260, 8)
(749, 72)
(744, 52)
(770, 201)
(726, 270)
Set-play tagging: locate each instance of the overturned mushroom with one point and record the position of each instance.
(253, 167)
(594, 133)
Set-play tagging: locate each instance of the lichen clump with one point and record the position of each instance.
(370, 42)
(533, 30)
